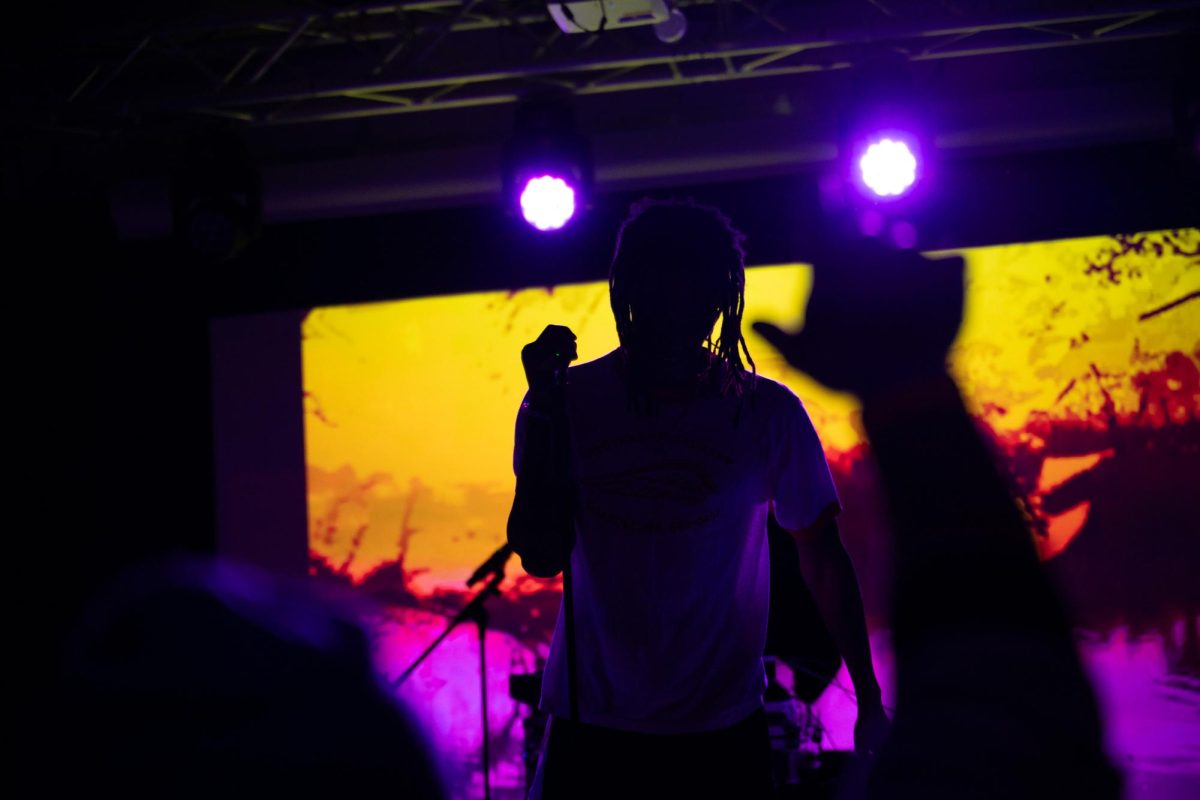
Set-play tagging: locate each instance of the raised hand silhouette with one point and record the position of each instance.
(878, 318)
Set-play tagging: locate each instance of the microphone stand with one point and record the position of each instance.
(475, 611)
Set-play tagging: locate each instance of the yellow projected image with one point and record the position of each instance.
(411, 404)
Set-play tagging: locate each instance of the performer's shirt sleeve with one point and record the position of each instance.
(802, 489)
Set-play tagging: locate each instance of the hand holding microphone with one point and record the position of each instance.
(545, 361)
(541, 527)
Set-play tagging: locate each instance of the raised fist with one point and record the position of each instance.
(546, 359)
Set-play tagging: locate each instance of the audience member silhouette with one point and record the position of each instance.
(204, 678)
(991, 697)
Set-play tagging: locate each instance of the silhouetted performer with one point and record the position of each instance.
(653, 469)
(992, 701)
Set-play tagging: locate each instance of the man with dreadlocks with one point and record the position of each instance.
(646, 476)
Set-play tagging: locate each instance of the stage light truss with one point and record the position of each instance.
(423, 57)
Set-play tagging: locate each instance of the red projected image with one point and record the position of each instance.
(1079, 360)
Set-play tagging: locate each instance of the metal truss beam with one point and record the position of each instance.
(245, 67)
(603, 75)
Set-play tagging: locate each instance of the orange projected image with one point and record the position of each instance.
(1079, 358)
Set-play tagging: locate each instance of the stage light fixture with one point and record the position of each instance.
(884, 131)
(673, 28)
(547, 166)
(883, 182)
(216, 196)
(597, 16)
(888, 167)
(547, 202)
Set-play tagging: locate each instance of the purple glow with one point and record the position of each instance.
(870, 222)
(547, 202)
(888, 167)
(904, 235)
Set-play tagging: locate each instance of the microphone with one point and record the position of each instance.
(494, 564)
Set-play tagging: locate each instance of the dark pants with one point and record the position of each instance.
(586, 761)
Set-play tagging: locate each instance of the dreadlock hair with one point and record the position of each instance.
(699, 244)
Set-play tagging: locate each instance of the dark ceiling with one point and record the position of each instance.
(353, 108)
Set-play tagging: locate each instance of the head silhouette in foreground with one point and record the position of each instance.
(200, 677)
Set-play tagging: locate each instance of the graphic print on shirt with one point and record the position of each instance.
(656, 482)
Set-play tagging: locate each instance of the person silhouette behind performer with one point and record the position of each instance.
(647, 476)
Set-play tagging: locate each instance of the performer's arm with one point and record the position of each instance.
(541, 525)
(830, 577)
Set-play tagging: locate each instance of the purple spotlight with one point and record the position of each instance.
(888, 167)
(547, 202)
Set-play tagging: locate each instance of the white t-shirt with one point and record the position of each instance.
(671, 570)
